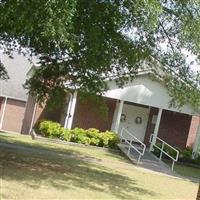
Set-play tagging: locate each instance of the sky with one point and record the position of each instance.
(191, 60)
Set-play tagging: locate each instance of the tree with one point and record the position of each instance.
(198, 193)
(81, 43)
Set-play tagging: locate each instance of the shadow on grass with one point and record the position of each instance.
(48, 145)
(65, 173)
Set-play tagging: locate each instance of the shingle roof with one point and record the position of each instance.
(17, 69)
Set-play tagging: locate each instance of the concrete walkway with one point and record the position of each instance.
(149, 162)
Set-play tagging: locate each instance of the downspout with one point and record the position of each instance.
(3, 112)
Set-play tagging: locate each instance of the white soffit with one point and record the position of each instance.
(144, 91)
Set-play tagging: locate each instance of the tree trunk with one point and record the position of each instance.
(198, 194)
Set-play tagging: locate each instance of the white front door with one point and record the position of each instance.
(133, 116)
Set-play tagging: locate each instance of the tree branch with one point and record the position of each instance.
(169, 39)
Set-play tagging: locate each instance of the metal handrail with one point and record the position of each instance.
(162, 150)
(133, 138)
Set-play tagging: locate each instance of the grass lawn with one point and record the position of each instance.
(185, 170)
(42, 170)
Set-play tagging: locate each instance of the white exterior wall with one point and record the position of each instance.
(132, 112)
(147, 92)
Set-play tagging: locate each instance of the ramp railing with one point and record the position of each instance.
(131, 140)
(163, 151)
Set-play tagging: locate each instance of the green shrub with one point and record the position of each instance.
(197, 160)
(91, 136)
(109, 139)
(185, 154)
(94, 135)
(84, 140)
(50, 129)
(95, 142)
(77, 135)
(114, 140)
(66, 135)
(170, 151)
(156, 151)
(167, 149)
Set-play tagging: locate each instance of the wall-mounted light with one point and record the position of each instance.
(123, 118)
(138, 120)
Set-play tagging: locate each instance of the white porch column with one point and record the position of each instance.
(3, 112)
(117, 117)
(68, 110)
(155, 134)
(72, 111)
(197, 142)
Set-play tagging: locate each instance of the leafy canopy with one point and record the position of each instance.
(82, 43)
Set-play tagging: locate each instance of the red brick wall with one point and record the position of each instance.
(87, 115)
(43, 113)
(174, 127)
(14, 115)
(39, 113)
(1, 102)
(193, 131)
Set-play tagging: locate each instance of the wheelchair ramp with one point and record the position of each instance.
(148, 162)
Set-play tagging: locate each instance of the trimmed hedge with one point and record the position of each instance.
(91, 136)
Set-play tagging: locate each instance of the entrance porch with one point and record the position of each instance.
(142, 121)
(140, 126)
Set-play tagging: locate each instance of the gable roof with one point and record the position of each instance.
(17, 69)
(143, 90)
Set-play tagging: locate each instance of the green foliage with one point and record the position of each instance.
(185, 155)
(79, 136)
(91, 136)
(170, 151)
(85, 42)
(66, 134)
(167, 149)
(110, 139)
(50, 129)
(95, 137)
(156, 151)
(3, 72)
